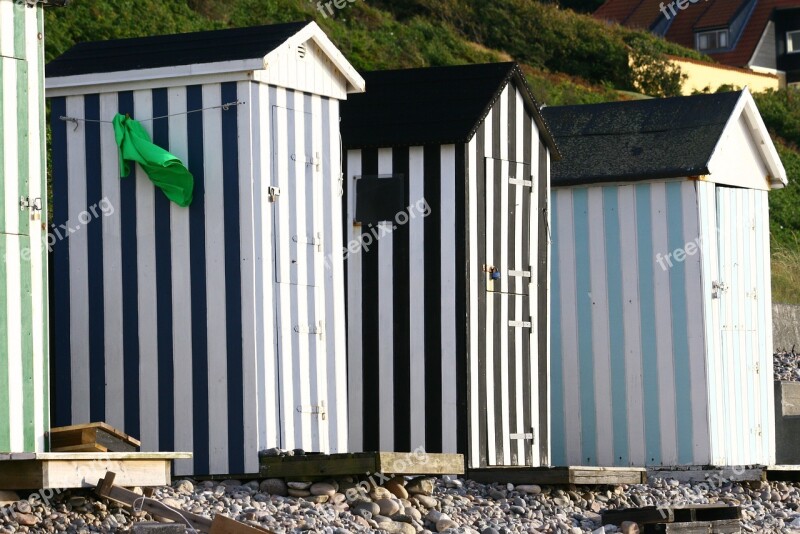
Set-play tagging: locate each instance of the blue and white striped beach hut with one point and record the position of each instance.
(661, 304)
(218, 328)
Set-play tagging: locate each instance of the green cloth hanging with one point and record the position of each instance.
(166, 171)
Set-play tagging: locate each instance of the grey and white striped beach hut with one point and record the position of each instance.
(446, 186)
(661, 304)
(24, 395)
(218, 328)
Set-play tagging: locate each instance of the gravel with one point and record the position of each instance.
(787, 366)
(461, 506)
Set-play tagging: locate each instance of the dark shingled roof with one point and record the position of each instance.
(638, 140)
(436, 105)
(172, 50)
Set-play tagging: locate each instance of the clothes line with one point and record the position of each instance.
(224, 107)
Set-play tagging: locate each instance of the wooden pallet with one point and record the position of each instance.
(611, 476)
(670, 514)
(360, 464)
(92, 437)
(689, 519)
(63, 470)
(730, 526)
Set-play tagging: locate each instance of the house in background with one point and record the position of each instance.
(661, 302)
(762, 36)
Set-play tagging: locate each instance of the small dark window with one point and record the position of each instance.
(713, 40)
(793, 42)
(379, 198)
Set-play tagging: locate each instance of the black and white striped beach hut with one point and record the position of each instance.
(218, 328)
(446, 186)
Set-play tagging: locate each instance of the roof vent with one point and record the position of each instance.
(301, 51)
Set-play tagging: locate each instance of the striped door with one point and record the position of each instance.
(298, 246)
(512, 372)
(737, 293)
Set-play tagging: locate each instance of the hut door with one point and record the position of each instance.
(735, 289)
(295, 195)
(511, 366)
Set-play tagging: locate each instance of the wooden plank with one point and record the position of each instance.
(784, 473)
(226, 525)
(87, 447)
(153, 507)
(101, 433)
(401, 463)
(732, 526)
(559, 475)
(318, 465)
(84, 456)
(607, 476)
(686, 475)
(707, 512)
(642, 516)
(62, 474)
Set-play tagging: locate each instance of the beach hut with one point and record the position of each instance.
(445, 192)
(216, 328)
(661, 307)
(24, 398)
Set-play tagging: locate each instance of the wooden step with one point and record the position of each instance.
(361, 464)
(91, 437)
(611, 476)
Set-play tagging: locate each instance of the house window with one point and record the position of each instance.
(713, 40)
(379, 198)
(793, 42)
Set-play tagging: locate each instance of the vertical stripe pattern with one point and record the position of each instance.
(221, 356)
(24, 388)
(457, 370)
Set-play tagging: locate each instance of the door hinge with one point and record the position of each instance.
(314, 330)
(757, 368)
(520, 324)
(523, 274)
(313, 241)
(314, 410)
(274, 193)
(717, 288)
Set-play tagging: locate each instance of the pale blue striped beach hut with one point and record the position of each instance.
(661, 322)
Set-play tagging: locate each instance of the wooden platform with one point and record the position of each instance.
(361, 464)
(783, 473)
(709, 473)
(611, 476)
(63, 470)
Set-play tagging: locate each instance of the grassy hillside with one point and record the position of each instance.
(568, 58)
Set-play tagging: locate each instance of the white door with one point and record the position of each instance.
(296, 192)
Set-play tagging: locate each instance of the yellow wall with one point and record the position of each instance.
(702, 75)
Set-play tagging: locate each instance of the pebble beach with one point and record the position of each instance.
(418, 505)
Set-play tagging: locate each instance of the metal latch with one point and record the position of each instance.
(274, 193)
(527, 436)
(314, 410)
(717, 288)
(314, 160)
(26, 203)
